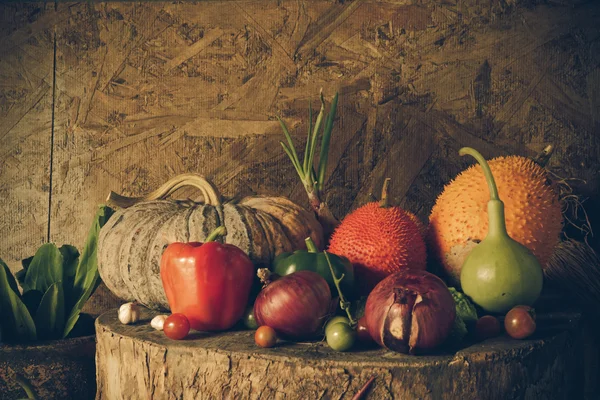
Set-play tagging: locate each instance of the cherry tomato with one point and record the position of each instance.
(520, 322)
(340, 337)
(487, 327)
(249, 320)
(362, 332)
(265, 336)
(176, 326)
(333, 321)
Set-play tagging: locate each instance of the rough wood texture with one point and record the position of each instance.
(139, 362)
(145, 91)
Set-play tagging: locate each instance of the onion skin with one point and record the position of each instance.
(410, 311)
(295, 305)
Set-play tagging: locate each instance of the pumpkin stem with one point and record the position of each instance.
(217, 232)
(208, 190)
(384, 202)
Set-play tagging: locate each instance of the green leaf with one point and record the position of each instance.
(17, 322)
(325, 143)
(27, 387)
(291, 150)
(21, 274)
(32, 300)
(87, 277)
(45, 269)
(75, 312)
(313, 144)
(70, 259)
(308, 138)
(50, 315)
(465, 309)
(465, 314)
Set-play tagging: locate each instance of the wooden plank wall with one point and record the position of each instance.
(122, 96)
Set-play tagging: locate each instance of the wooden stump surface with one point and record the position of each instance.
(135, 361)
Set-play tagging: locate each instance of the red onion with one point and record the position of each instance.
(295, 305)
(410, 311)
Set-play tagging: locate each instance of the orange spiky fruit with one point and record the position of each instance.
(459, 220)
(379, 240)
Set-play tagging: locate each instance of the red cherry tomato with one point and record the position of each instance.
(363, 332)
(176, 326)
(520, 322)
(487, 327)
(265, 336)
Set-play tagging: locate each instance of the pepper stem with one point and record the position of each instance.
(487, 172)
(219, 231)
(384, 202)
(310, 245)
(344, 304)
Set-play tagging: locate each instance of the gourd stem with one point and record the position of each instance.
(219, 231)
(384, 202)
(344, 304)
(310, 245)
(497, 222)
(487, 172)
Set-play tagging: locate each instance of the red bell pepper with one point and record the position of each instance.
(209, 283)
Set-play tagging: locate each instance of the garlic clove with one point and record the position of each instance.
(129, 313)
(158, 322)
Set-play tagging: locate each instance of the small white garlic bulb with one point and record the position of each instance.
(129, 313)
(158, 322)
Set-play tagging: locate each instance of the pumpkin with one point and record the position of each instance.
(131, 243)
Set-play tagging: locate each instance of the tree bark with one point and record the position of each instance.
(135, 361)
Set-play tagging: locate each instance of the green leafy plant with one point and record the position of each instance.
(56, 284)
(314, 180)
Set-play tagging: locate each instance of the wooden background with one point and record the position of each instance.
(122, 96)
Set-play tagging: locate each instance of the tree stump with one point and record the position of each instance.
(135, 361)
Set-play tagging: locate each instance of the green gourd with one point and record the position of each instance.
(499, 273)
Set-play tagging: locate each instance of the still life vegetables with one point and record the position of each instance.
(129, 313)
(265, 336)
(379, 240)
(158, 322)
(339, 334)
(56, 284)
(130, 246)
(207, 282)
(487, 327)
(519, 322)
(312, 260)
(176, 326)
(410, 311)
(459, 218)
(294, 305)
(466, 314)
(499, 272)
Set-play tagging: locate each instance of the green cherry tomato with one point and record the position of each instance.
(340, 336)
(249, 321)
(335, 320)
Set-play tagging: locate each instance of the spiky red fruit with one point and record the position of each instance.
(378, 241)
